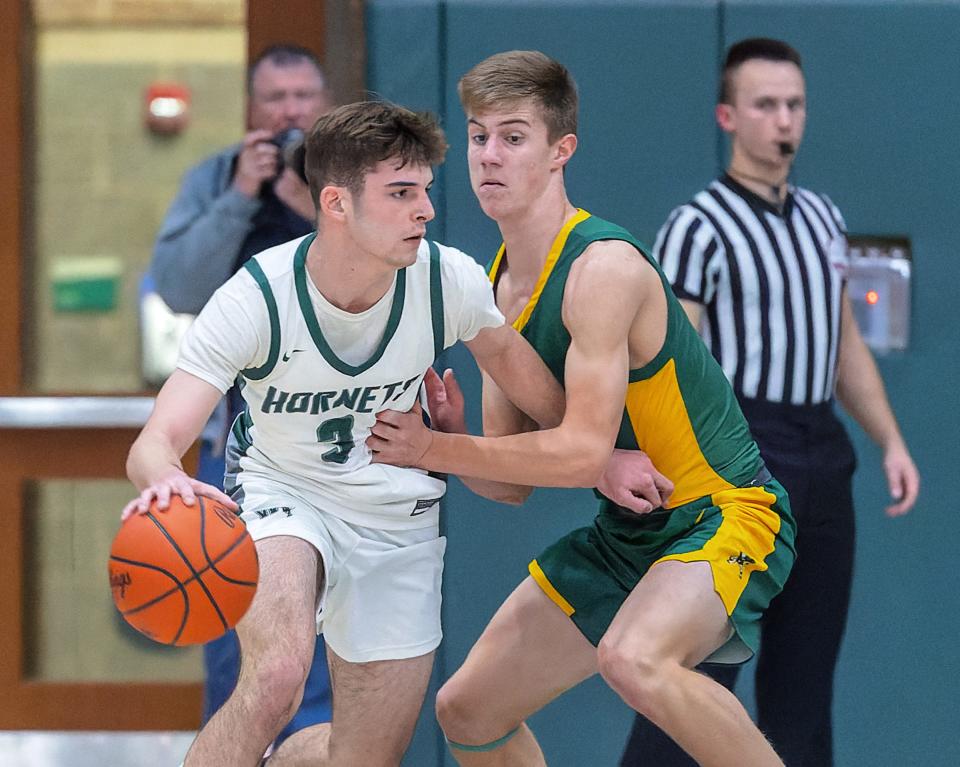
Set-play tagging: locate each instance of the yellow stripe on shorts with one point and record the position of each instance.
(749, 526)
(544, 583)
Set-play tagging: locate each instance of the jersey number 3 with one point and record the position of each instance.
(339, 431)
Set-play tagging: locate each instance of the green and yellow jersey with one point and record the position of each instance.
(679, 407)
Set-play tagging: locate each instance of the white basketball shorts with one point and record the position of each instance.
(381, 594)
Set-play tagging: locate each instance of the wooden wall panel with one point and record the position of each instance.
(302, 22)
(27, 455)
(15, 50)
(332, 29)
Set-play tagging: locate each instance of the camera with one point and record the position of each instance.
(292, 152)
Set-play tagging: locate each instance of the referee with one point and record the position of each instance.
(759, 266)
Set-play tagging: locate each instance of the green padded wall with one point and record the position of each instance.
(882, 79)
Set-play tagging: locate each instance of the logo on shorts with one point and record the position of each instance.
(741, 559)
(422, 506)
(289, 354)
(264, 513)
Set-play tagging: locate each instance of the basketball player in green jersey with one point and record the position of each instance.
(641, 599)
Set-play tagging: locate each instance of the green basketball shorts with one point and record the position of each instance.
(746, 535)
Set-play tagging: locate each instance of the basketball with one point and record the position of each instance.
(185, 575)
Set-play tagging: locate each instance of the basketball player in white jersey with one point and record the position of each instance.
(324, 332)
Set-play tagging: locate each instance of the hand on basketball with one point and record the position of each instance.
(185, 576)
(902, 478)
(256, 163)
(632, 481)
(445, 401)
(175, 483)
(400, 439)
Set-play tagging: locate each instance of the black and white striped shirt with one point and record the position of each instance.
(771, 283)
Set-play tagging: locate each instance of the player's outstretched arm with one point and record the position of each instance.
(500, 416)
(182, 408)
(630, 479)
(516, 382)
(520, 394)
(603, 295)
(509, 362)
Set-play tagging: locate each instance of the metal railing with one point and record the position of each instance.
(74, 412)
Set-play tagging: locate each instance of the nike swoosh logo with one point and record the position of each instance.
(422, 506)
(286, 355)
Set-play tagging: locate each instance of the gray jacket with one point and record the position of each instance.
(197, 247)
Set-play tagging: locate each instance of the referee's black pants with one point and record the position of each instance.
(808, 450)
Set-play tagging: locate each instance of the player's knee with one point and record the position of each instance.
(458, 713)
(634, 670)
(452, 709)
(279, 681)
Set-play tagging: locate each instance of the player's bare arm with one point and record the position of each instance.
(182, 408)
(862, 394)
(511, 363)
(503, 355)
(501, 418)
(631, 480)
(447, 415)
(611, 292)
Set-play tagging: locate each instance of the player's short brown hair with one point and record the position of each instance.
(346, 144)
(507, 79)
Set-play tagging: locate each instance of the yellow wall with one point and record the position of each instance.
(102, 181)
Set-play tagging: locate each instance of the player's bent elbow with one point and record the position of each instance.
(501, 492)
(585, 470)
(589, 477)
(577, 473)
(515, 495)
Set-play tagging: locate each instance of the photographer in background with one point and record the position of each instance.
(240, 201)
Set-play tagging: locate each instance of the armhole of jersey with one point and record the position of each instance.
(436, 300)
(255, 374)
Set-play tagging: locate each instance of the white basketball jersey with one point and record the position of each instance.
(309, 411)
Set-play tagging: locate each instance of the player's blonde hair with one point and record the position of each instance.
(346, 144)
(507, 79)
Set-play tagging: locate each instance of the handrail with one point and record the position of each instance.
(74, 412)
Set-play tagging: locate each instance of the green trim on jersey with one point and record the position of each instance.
(241, 430)
(436, 299)
(255, 374)
(306, 308)
(679, 407)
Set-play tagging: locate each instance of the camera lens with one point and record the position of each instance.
(288, 136)
(290, 143)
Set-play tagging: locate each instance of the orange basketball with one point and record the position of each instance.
(185, 575)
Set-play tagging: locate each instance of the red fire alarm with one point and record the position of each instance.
(167, 107)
